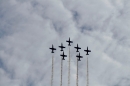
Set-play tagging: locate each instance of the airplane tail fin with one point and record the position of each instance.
(63, 58)
(79, 60)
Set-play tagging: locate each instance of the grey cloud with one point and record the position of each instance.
(29, 28)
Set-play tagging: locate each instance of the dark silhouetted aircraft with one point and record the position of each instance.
(63, 55)
(52, 49)
(61, 47)
(69, 42)
(79, 57)
(87, 51)
(77, 48)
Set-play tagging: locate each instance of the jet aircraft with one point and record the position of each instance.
(69, 42)
(87, 51)
(61, 47)
(79, 57)
(77, 48)
(52, 49)
(63, 55)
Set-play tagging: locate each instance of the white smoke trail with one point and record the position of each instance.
(69, 69)
(77, 73)
(87, 74)
(61, 70)
(52, 71)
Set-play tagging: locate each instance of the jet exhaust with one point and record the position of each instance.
(87, 74)
(77, 74)
(69, 69)
(52, 70)
(61, 71)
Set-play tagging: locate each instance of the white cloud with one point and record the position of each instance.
(29, 28)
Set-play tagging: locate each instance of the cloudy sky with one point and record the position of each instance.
(29, 27)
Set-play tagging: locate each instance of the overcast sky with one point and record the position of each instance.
(29, 27)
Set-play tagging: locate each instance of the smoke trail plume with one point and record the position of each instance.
(87, 74)
(69, 69)
(61, 70)
(77, 73)
(52, 71)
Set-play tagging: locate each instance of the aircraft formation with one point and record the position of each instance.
(63, 58)
(69, 44)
